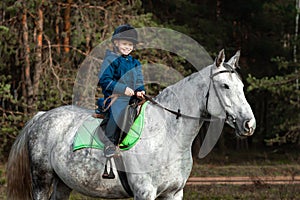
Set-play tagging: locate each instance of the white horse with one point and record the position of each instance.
(43, 165)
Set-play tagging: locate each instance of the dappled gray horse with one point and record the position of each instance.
(43, 165)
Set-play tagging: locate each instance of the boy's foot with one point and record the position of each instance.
(109, 151)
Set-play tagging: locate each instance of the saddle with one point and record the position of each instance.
(131, 113)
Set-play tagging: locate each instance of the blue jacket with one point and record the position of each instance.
(118, 72)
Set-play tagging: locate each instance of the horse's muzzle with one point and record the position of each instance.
(249, 127)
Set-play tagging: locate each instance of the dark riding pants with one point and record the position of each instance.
(115, 122)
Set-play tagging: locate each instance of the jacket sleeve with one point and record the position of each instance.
(107, 80)
(140, 78)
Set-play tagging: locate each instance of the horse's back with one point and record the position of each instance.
(54, 125)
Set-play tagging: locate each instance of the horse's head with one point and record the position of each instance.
(226, 96)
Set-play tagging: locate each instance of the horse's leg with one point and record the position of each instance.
(42, 178)
(41, 186)
(60, 190)
(147, 192)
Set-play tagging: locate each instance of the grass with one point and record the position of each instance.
(208, 170)
(233, 192)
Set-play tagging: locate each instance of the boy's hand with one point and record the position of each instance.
(140, 94)
(129, 92)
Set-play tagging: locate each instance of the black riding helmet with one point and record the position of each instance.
(125, 32)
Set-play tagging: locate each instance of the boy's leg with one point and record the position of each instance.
(109, 138)
(110, 131)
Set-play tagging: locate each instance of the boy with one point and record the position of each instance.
(120, 74)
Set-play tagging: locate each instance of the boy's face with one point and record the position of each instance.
(125, 47)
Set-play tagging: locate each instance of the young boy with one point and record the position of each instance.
(120, 74)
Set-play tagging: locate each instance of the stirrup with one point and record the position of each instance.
(111, 174)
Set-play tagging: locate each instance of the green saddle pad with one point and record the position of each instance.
(87, 137)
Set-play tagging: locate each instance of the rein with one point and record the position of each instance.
(179, 114)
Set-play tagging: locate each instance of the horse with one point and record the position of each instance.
(42, 164)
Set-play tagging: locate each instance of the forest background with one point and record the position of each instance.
(44, 42)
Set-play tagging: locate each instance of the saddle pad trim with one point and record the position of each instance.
(90, 125)
(134, 133)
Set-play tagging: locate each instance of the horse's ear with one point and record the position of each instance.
(220, 59)
(234, 61)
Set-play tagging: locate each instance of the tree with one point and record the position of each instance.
(38, 51)
(28, 92)
(280, 116)
(67, 26)
(264, 31)
(42, 46)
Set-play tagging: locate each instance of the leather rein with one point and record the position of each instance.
(212, 82)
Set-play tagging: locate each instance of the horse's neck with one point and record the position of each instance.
(188, 95)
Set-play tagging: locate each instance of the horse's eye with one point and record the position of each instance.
(225, 86)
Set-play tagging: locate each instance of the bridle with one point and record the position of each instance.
(178, 113)
(212, 82)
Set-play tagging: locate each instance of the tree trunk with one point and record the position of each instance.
(87, 36)
(57, 31)
(295, 45)
(38, 53)
(218, 9)
(27, 78)
(67, 28)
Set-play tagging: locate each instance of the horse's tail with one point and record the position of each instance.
(18, 173)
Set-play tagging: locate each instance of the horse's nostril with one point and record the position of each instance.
(246, 125)
(249, 127)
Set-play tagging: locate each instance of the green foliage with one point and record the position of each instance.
(11, 120)
(277, 85)
(283, 102)
(5, 89)
(91, 23)
(263, 30)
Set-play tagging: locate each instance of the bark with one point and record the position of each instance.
(67, 28)
(57, 30)
(38, 53)
(295, 45)
(27, 78)
(87, 38)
